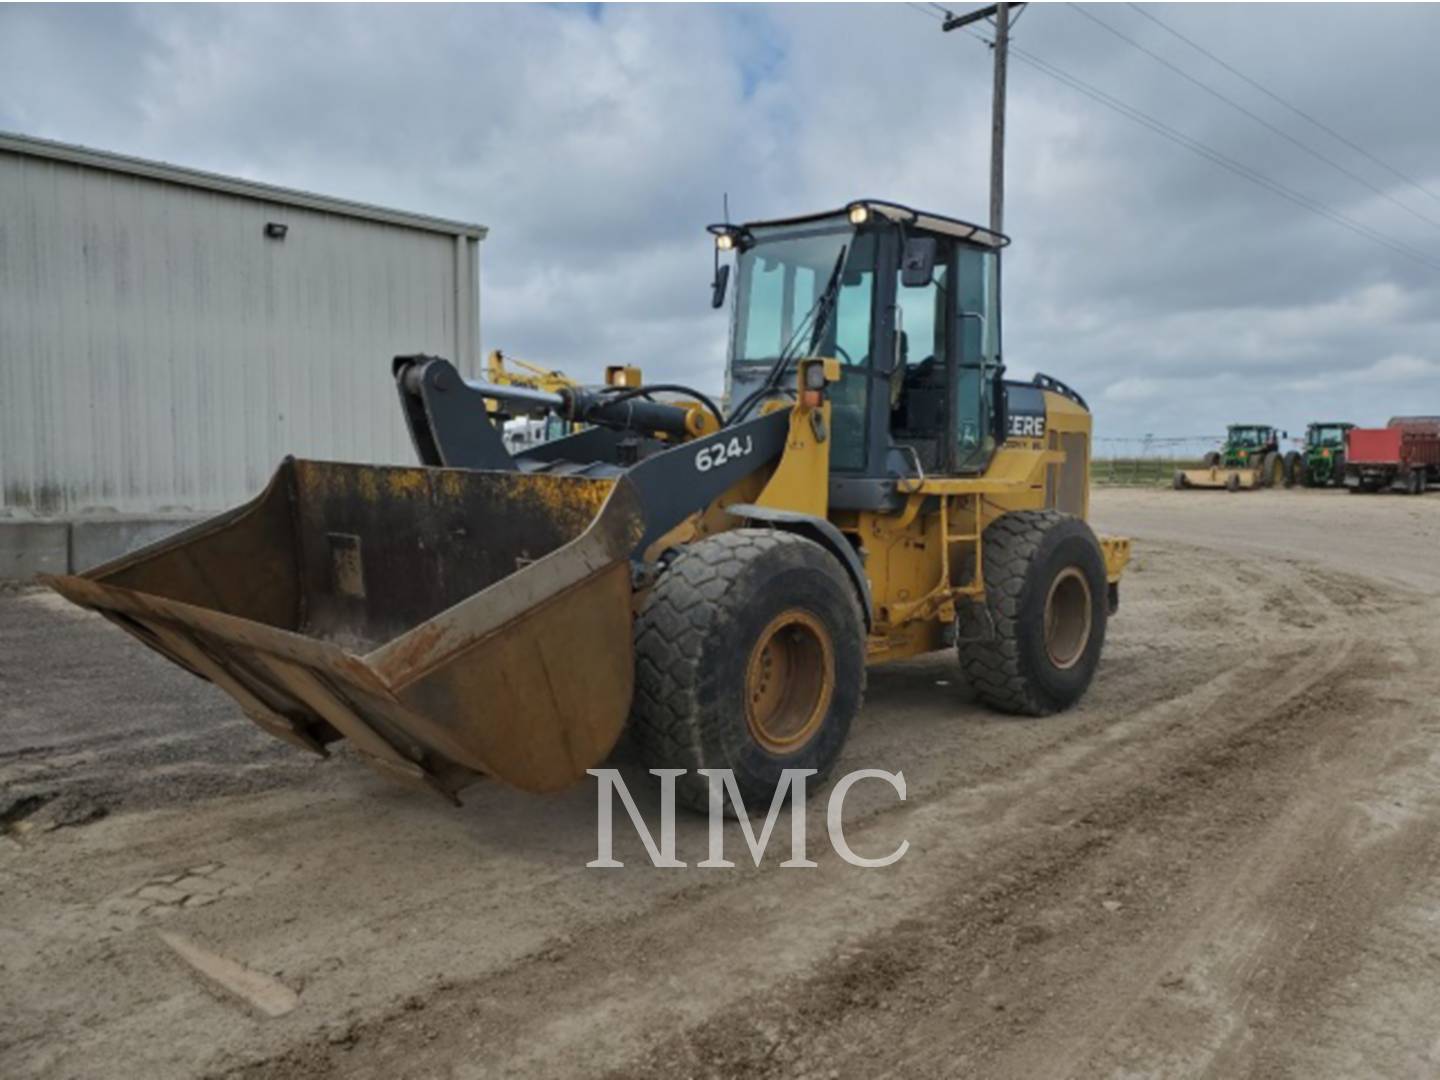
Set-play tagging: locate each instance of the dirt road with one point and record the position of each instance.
(1226, 863)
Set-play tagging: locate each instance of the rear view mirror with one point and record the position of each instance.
(917, 264)
(717, 287)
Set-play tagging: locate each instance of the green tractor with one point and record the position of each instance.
(1324, 461)
(1250, 458)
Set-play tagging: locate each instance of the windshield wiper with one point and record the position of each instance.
(825, 306)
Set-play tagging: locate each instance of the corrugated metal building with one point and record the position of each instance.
(167, 335)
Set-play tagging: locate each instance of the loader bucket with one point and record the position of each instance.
(448, 622)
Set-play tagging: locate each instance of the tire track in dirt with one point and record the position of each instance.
(955, 988)
(1030, 843)
(1255, 976)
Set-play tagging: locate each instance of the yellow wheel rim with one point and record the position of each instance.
(1067, 617)
(789, 681)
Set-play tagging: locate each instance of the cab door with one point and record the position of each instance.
(976, 356)
(943, 384)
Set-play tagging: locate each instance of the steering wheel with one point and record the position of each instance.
(849, 360)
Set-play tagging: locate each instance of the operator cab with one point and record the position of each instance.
(1326, 434)
(908, 302)
(1252, 436)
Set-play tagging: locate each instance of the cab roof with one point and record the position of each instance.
(896, 212)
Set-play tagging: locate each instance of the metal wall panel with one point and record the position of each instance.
(159, 353)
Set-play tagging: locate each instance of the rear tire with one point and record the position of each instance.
(1272, 469)
(1045, 592)
(1211, 459)
(750, 656)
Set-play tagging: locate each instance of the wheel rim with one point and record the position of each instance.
(789, 681)
(1067, 617)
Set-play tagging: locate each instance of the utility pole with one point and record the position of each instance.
(1001, 47)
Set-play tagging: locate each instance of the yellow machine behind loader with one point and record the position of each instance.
(717, 581)
(1251, 458)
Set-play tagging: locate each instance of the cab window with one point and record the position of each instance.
(920, 378)
(948, 341)
(849, 342)
(978, 357)
(781, 279)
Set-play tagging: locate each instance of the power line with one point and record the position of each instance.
(1224, 161)
(1293, 108)
(1201, 149)
(934, 11)
(1254, 116)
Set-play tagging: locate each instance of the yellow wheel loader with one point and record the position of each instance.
(716, 580)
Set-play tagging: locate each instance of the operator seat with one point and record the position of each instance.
(918, 409)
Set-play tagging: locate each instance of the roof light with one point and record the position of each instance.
(859, 214)
(724, 241)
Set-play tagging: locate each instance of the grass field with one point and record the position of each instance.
(1140, 471)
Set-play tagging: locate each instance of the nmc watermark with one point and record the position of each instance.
(722, 785)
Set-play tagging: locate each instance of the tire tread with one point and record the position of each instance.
(692, 595)
(992, 664)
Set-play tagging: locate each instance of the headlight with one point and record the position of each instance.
(859, 215)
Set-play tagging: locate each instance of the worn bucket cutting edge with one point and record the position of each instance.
(448, 622)
(1218, 476)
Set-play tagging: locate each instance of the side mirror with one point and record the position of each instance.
(717, 287)
(917, 263)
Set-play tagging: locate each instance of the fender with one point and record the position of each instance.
(823, 533)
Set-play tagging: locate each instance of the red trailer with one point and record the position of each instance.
(1403, 456)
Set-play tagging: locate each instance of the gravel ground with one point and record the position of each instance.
(1223, 863)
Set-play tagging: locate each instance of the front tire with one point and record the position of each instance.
(1046, 596)
(750, 656)
(1294, 467)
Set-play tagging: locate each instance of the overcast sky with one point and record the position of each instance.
(596, 143)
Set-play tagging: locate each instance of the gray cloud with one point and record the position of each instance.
(596, 145)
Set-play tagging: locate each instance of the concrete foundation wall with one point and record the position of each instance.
(30, 547)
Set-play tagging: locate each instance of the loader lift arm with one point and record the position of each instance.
(451, 428)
